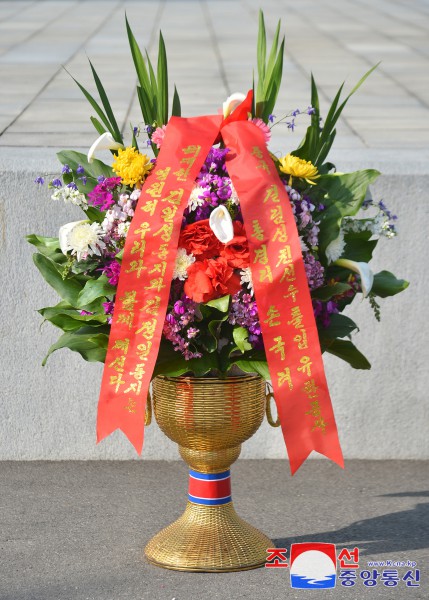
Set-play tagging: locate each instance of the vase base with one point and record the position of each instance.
(209, 539)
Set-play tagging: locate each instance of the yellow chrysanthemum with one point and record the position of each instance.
(131, 166)
(298, 167)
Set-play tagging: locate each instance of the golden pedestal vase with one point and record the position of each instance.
(209, 419)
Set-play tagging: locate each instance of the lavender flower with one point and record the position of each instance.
(66, 169)
(39, 180)
(80, 170)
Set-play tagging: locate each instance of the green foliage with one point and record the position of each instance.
(386, 284)
(90, 345)
(269, 72)
(152, 91)
(327, 292)
(347, 351)
(318, 140)
(106, 116)
(343, 195)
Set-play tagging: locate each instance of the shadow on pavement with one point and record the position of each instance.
(390, 533)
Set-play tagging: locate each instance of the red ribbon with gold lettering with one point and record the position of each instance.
(283, 298)
(146, 274)
(281, 290)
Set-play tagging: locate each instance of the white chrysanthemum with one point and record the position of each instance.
(67, 194)
(135, 194)
(81, 239)
(234, 197)
(194, 201)
(335, 249)
(123, 229)
(183, 261)
(246, 279)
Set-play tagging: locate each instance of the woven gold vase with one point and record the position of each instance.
(209, 419)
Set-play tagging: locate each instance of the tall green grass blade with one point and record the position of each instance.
(106, 104)
(162, 83)
(176, 110)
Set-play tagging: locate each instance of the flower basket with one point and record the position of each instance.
(210, 268)
(209, 418)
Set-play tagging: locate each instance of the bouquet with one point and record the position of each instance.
(212, 320)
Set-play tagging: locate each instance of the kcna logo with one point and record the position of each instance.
(313, 565)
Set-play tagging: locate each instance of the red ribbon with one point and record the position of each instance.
(281, 290)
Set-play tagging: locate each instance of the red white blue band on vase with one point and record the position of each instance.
(209, 489)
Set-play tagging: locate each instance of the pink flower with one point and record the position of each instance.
(158, 136)
(264, 128)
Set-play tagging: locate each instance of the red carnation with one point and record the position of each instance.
(236, 252)
(210, 279)
(198, 239)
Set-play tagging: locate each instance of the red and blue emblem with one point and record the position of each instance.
(210, 489)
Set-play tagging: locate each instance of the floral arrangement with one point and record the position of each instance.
(212, 323)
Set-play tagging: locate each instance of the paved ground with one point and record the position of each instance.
(211, 47)
(76, 530)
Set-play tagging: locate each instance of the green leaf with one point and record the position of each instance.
(106, 104)
(328, 291)
(339, 326)
(162, 83)
(386, 284)
(94, 169)
(70, 319)
(358, 246)
(172, 363)
(254, 366)
(344, 195)
(69, 288)
(49, 246)
(95, 288)
(176, 110)
(241, 337)
(221, 304)
(95, 106)
(138, 60)
(261, 52)
(98, 126)
(91, 346)
(347, 351)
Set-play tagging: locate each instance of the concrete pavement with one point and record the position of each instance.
(76, 530)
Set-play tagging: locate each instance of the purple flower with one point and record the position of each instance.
(56, 183)
(135, 131)
(296, 112)
(83, 179)
(112, 271)
(102, 195)
(323, 311)
(80, 170)
(314, 271)
(291, 125)
(311, 110)
(271, 118)
(39, 180)
(100, 178)
(66, 169)
(108, 308)
(72, 185)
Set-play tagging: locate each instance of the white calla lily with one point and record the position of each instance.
(231, 103)
(362, 269)
(221, 224)
(104, 142)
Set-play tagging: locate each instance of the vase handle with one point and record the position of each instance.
(148, 412)
(270, 396)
